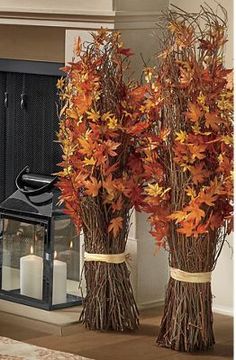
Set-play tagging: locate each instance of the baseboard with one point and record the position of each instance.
(223, 310)
(217, 309)
(151, 304)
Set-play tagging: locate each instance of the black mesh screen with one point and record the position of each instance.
(2, 135)
(30, 130)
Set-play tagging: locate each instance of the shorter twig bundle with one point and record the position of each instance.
(109, 303)
(99, 124)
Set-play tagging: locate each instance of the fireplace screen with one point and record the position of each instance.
(28, 120)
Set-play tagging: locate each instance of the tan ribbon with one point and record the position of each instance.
(198, 277)
(108, 258)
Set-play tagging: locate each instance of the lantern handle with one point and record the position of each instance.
(41, 182)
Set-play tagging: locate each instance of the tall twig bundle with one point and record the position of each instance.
(189, 189)
(101, 174)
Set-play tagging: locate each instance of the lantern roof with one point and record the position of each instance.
(36, 197)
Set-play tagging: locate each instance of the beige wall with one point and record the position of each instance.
(222, 285)
(32, 43)
(56, 6)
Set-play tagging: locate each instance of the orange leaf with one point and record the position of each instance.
(208, 198)
(115, 225)
(116, 206)
(108, 184)
(82, 102)
(195, 213)
(92, 187)
(199, 174)
(212, 120)
(110, 147)
(197, 151)
(187, 228)
(87, 146)
(194, 112)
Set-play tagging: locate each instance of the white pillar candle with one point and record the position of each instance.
(59, 282)
(31, 276)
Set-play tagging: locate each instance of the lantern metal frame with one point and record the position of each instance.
(47, 220)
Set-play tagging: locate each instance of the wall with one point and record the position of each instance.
(32, 43)
(222, 284)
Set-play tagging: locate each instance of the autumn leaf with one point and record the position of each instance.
(60, 83)
(92, 186)
(216, 221)
(187, 228)
(178, 216)
(93, 115)
(125, 51)
(212, 120)
(112, 123)
(115, 225)
(197, 151)
(108, 184)
(194, 213)
(190, 192)
(199, 173)
(77, 46)
(72, 113)
(89, 161)
(110, 147)
(227, 139)
(87, 146)
(194, 112)
(155, 190)
(207, 197)
(116, 206)
(135, 164)
(137, 128)
(181, 136)
(82, 102)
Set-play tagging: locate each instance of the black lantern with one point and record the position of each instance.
(39, 247)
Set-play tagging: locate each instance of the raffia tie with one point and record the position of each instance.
(107, 258)
(198, 277)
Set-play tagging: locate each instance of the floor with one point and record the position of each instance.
(114, 346)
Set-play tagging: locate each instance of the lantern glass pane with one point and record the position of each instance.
(22, 257)
(66, 269)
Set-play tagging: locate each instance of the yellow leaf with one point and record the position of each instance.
(181, 136)
(178, 216)
(190, 192)
(227, 139)
(89, 161)
(112, 123)
(108, 115)
(156, 190)
(60, 83)
(93, 115)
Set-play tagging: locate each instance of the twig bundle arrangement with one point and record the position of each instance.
(100, 180)
(189, 183)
